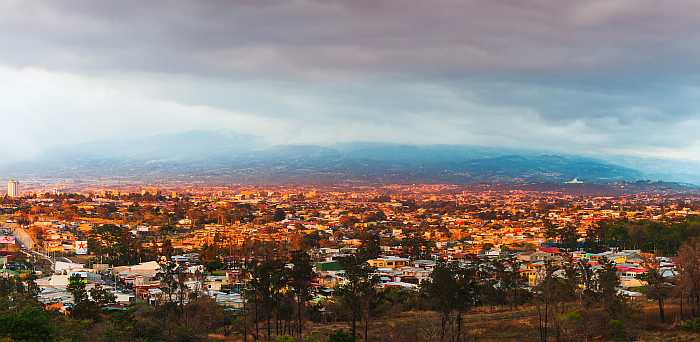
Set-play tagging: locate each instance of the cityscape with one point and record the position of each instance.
(130, 247)
(345, 171)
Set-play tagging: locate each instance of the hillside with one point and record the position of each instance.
(228, 157)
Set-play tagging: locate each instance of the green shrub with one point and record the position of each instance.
(571, 316)
(616, 329)
(692, 325)
(340, 336)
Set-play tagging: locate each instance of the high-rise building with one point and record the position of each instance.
(13, 188)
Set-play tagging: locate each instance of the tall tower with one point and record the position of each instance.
(13, 188)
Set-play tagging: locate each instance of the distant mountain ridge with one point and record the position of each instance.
(229, 157)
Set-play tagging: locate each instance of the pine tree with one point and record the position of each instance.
(301, 275)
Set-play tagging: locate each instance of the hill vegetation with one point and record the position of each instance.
(224, 156)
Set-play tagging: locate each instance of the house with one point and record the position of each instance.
(388, 262)
(146, 270)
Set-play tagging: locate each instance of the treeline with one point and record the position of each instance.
(92, 318)
(278, 294)
(22, 318)
(662, 238)
(572, 301)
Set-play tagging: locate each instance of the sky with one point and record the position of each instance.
(612, 77)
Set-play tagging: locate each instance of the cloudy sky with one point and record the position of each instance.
(601, 77)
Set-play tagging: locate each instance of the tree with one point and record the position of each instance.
(144, 322)
(551, 230)
(568, 237)
(310, 241)
(511, 283)
(369, 300)
(341, 336)
(595, 238)
(546, 294)
(167, 249)
(101, 296)
(608, 284)
(22, 319)
(268, 278)
(442, 292)
(301, 275)
(370, 247)
(254, 289)
(114, 242)
(558, 287)
(689, 274)
(657, 288)
(83, 307)
(279, 215)
(357, 287)
(657, 237)
(467, 279)
(617, 235)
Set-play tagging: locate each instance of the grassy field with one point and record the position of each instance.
(491, 325)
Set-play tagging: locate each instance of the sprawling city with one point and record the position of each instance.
(308, 262)
(349, 170)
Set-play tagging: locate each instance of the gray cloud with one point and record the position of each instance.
(303, 37)
(587, 76)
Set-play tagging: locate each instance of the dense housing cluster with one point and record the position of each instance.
(294, 254)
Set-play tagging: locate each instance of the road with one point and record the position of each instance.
(27, 244)
(22, 236)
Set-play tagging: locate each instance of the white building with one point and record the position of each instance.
(13, 188)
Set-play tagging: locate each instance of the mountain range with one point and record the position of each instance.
(224, 156)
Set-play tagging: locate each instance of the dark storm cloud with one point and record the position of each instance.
(586, 74)
(413, 37)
